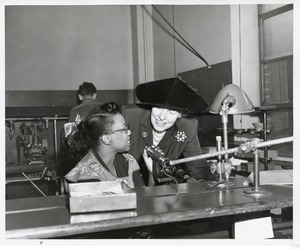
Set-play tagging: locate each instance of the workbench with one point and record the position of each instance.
(28, 180)
(49, 217)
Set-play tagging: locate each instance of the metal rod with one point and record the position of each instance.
(256, 170)
(230, 151)
(203, 156)
(219, 148)
(274, 142)
(256, 191)
(34, 184)
(225, 137)
(35, 119)
(265, 139)
(21, 180)
(55, 138)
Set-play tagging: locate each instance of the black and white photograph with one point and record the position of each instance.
(166, 121)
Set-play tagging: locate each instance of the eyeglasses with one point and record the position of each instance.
(123, 129)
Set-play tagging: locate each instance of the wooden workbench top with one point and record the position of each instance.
(49, 217)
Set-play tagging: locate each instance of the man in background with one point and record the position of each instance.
(87, 94)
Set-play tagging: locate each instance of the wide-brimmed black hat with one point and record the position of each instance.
(173, 94)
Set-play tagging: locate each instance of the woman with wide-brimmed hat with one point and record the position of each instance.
(161, 120)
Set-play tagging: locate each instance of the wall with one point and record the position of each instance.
(59, 47)
(245, 58)
(51, 50)
(163, 43)
(219, 33)
(205, 27)
(63, 98)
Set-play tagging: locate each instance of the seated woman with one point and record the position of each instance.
(108, 137)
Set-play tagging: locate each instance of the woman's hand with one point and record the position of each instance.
(148, 161)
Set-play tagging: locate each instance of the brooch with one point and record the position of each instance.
(180, 136)
(144, 134)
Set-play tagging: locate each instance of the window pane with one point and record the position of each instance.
(278, 36)
(269, 7)
(280, 125)
(278, 82)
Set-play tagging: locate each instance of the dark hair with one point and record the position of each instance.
(99, 122)
(110, 107)
(87, 88)
(94, 126)
(88, 132)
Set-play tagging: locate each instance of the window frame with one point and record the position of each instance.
(264, 106)
(261, 18)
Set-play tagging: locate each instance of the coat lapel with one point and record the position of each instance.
(169, 138)
(145, 131)
(168, 141)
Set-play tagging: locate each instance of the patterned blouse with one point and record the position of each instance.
(91, 169)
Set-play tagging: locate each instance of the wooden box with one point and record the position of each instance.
(100, 197)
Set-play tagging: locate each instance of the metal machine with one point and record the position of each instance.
(168, 167)
(33, 146)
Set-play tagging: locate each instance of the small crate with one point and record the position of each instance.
(100, 197)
